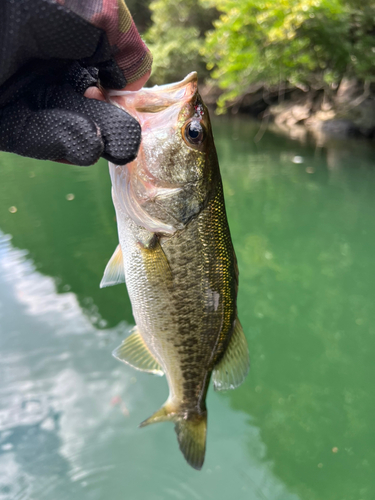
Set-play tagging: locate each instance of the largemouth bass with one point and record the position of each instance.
(176, 255)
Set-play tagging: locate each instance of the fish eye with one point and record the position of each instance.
(193, 133)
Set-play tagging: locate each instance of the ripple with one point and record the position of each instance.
(28, 411)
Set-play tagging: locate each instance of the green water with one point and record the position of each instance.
(300, 427)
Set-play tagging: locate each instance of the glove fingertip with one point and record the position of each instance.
(119, 131)
(87, 153)
(51, 134)
(123, 148)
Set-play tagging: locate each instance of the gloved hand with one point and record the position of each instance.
(49, 56)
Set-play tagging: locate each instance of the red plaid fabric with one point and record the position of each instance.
(113, 17)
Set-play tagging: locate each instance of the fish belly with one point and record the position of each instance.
(185, 311)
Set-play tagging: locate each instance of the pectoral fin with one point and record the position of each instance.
(232, 369)
(135, 353)
(114, 271)
(156, 263)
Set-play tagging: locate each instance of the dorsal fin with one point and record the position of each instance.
(232, 369)
(135, 353)
(114, 271)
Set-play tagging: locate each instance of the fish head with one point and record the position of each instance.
(176, 168)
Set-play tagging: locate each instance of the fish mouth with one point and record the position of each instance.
(169, 87)
(155, 99)
(190, 78)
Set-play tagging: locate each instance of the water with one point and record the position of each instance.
(301, 426)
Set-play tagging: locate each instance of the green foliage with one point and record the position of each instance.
(299, 42)
(141, 14)
(177, 37)
(305, 43)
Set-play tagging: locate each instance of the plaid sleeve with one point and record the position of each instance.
(113, 17)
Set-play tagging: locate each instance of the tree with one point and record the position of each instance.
(306, 43)
(177, 37)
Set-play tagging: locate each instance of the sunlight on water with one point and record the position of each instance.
(299, 428)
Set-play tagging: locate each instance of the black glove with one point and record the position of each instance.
(48, 58)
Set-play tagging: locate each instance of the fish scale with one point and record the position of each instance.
(176, 256)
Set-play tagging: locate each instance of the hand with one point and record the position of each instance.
(43, 111)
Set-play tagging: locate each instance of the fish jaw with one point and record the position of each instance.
(155, 99)
(157, 109)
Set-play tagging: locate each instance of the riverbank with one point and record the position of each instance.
(348, 111)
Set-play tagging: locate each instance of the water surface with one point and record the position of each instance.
(301, 426)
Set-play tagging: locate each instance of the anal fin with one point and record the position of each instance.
(114, 271)
(232, 369)
(135, 353)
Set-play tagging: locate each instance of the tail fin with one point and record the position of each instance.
(191, 435)
(191, 430)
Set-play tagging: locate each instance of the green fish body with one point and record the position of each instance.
(176, 255)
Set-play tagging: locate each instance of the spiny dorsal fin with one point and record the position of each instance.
(114, 271)
(232, 369)
(135, 353)
(191, 430)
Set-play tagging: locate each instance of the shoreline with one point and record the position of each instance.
(348, 112)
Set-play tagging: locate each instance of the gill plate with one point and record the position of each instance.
(123, 193)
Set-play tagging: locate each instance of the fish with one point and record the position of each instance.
(176, 256)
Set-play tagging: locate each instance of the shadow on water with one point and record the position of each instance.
(301, 218)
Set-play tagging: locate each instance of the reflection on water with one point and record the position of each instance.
(63, 433)
(55, 388)
(299, 428)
